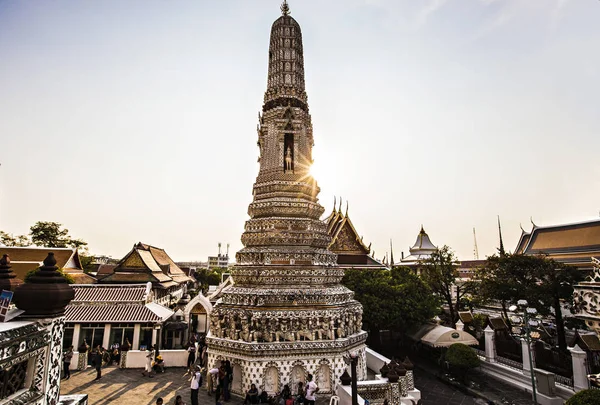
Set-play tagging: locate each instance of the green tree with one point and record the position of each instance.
(53, 235)
(461, 359)
(585, 397)
(547, 285)
(8, 239)
(208, 277)
(392, 299)
(440, 273)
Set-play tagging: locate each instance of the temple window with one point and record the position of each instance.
(288, 153)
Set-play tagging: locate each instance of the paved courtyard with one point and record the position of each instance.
(129, 387)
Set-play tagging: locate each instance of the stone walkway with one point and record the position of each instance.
(130, 387)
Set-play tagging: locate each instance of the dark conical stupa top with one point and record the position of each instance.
(285, 83)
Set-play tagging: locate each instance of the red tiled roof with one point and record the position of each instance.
(109, 293)
(130, 313)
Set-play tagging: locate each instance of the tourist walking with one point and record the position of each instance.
(311, 390)
(159, 401)
(191, 356)
(212, 380)
(97, 362)
(148, 368)
(195, 385)
(67, 357)
(179, 400)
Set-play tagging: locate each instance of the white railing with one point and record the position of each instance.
(510, 363)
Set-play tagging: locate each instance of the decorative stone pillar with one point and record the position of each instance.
(44, 298)
(410, 381)
(490, 345)
(76, 334)
(82, 361)
(403, 386)
(136, 337)
(125, 347)
(460, 325)
(526, 365)
(579, 359)
(395, 393)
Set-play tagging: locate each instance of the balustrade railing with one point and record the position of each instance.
(509, 363)
(566, 381)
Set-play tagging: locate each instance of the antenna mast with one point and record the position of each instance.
(475, 249)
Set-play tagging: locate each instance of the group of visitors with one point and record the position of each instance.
(197, 355)
(219, 381)
(154, 362)
(305, 395)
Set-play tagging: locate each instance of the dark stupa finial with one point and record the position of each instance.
(46, 293)
(8, 280)
(285, 9)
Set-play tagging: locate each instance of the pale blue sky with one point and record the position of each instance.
(135, 120)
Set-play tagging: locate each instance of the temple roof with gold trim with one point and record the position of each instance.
(346, 242)
(574, 243)
(145, 263)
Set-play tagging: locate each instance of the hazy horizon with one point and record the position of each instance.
(133, 121)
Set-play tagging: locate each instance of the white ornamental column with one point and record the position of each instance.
(524, 350)
(490, 345)
(579, 358)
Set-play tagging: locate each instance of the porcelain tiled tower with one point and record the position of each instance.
(287, 314)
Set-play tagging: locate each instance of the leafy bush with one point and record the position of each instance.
(462, 356)
(68, 277)
(585, 397)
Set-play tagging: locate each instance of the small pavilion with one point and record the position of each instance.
(421, 250)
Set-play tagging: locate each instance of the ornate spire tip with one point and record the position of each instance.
(285, 9)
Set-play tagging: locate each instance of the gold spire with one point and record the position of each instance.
(285, 9)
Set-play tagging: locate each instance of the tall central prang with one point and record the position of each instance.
(287, 314)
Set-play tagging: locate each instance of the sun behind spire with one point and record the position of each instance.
(285, 9)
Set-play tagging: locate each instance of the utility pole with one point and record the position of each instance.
(475, 249)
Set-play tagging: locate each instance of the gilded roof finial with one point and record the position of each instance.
(340, 206)
(531, 219)
(334, 204)
(346, 207)
(285, 9)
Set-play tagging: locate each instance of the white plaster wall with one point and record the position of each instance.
(175, 358)
(74, 361)
(136, 359)
(172, 358)
(375, 360)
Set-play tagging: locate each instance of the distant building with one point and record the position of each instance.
(145, 263)
(347, 244)
(220, 260)
(25, 259)
(574, 243)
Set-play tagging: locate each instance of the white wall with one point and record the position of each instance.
(375, 360)
(172, 358)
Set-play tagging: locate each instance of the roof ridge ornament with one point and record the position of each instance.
(285, 9)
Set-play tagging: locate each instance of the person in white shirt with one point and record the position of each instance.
(195, 386)
(311, 390)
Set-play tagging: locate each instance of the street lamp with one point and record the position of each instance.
(352, 360)
(522, 326)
